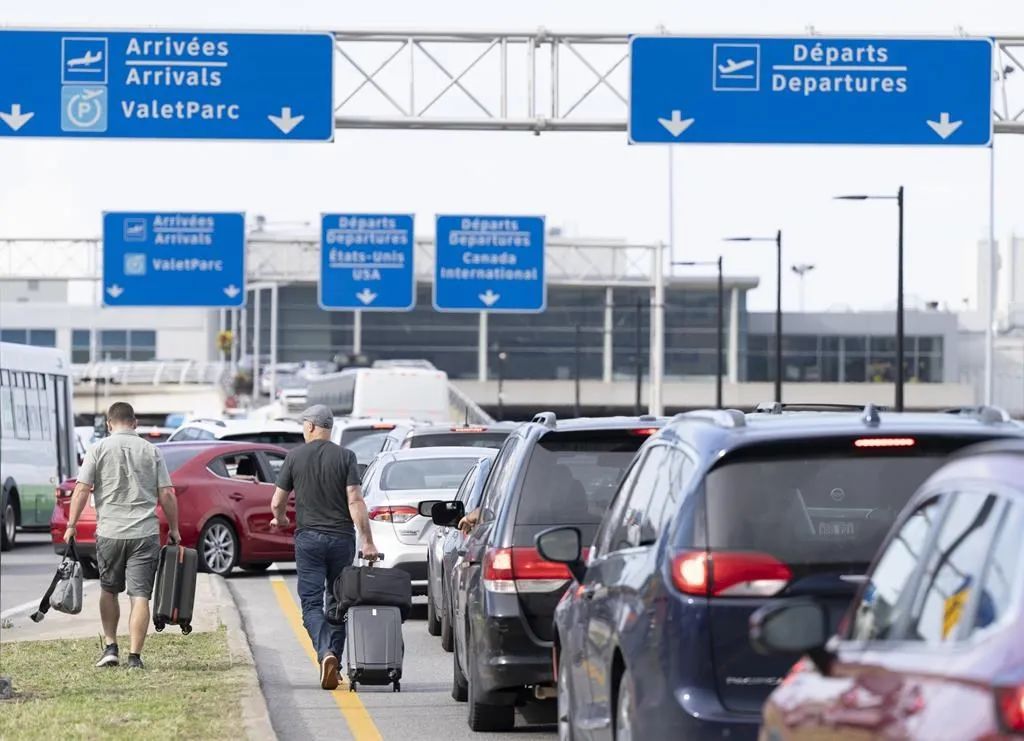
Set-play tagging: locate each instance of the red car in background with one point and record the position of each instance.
(223, 490)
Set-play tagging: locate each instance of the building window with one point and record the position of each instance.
(135, 344)
(81, 346)
(37, 337)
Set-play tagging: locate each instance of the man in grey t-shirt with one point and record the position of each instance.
(127, 477)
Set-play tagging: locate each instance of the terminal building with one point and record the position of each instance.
(593, 339)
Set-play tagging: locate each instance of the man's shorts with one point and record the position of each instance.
(128, 563)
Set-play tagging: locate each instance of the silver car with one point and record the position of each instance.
(393, 486)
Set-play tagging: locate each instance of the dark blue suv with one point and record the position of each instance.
(719, 512)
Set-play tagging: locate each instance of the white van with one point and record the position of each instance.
(384, 393)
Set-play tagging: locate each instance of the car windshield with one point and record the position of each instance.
(825, 505)
(425, 473)
(175, 457)
(284, 439)
(571, 477)
(351, 434)
(459, 439)
(367, 446)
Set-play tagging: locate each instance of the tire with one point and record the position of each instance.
(9, 531)
(483, 715)
(459, 686)
(625, 708)
(255, 568)
(218, 547)
(433, 623)
(90, 569)
(447, 631)
(565, 732)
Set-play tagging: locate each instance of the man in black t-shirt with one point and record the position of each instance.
(328, 507)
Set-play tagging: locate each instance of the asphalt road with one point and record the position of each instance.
(300, 710)
(25, 571)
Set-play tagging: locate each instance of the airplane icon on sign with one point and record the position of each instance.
(87, 61)
(731, 68)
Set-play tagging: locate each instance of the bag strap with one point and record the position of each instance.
(70, 554)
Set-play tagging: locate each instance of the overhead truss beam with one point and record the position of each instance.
(536, 81)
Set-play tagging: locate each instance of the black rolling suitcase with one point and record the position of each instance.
(374, 586)
(174, 593)
(375, 646)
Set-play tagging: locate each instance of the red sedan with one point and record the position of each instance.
(224, 491)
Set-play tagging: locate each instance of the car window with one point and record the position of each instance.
(185, 433)
(425, 473)
(620, 500)
(350, 434)
(653, 500)
(284, 439)
(275, 460)
(240, 466)
(817, 504)
(954, 566)
(201, 434)
(499, 479)
(366, 446)
(458, 439)
(571, 477)
(467, 484)
(1002, 573)
(175, 457)
(886, 596)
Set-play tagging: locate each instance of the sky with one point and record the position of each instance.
(592, 184)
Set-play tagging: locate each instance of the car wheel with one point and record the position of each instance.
(255, 568)
(90, 570)
(483, 715)
(564, 701)
(624, 708)
(9, 532)
(447, 632)
(433, 623)
(459, 686)
(218, 547)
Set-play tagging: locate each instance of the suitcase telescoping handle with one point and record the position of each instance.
(369, 561)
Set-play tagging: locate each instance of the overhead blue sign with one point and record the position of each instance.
(174, 259)
(490, 263)
(815, 90)
(146, 85)
(367, 261)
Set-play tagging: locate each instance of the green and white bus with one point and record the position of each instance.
(37, 436)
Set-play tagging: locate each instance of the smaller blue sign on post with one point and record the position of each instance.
(814, 90)
(367, 262)
(174, 259)
(490, 263)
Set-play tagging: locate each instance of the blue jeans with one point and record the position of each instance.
(319, 560)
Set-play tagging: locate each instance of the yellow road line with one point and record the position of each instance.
(356, 715)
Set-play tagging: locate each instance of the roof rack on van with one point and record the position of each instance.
(548, 419)
(720, 417)
(871, 417)
(988, 415)
(778, 407)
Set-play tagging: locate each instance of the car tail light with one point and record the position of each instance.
(469, 429)
(729, 574)
(511, 570)
(1010, 704)
(392, 514)
(383, 427)
(644, 431)
(800, 667)
(885, 442)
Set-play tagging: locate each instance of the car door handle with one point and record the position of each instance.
(237, 496)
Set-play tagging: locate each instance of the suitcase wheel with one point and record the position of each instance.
(159, 625)
(186, 628)
(397, 687)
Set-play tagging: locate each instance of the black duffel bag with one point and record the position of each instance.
(371, 585)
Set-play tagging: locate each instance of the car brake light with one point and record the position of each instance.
(392, 514)
(1010, 704)
(729, 574)
(154, 433)
(885, 442)
(469, 429)
(644, 431)
(511, 570)
(383, 427)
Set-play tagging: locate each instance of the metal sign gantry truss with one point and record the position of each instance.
(535, 81)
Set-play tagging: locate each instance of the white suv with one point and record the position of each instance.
(286, 433)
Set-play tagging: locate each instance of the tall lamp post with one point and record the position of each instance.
(801, 270)
(777, 239)
(900, 312)
(501, 385)
(720, 363)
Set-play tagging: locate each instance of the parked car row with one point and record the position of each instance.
(715, 576)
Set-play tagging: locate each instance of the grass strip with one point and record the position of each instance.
(189, 690)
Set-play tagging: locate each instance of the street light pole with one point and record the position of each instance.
(802, 270)
(900, 307)
(720, 341)
(777, 239)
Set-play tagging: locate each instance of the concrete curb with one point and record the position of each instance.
(255, 713)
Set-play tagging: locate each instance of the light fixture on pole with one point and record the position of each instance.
(720, 344)
(777, 240)
(801, 270)
(900, 311)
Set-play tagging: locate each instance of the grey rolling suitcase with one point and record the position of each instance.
(375, 647)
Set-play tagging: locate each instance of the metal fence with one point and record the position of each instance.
(152, 372)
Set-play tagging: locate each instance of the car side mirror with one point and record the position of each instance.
(563, 545)
(799, 625)
(443, 514)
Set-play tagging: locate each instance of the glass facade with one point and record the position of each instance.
(37, 337)
(121, 344)
(843, 359)
(536, 346)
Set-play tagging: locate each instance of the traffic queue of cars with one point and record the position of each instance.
(714, 575)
